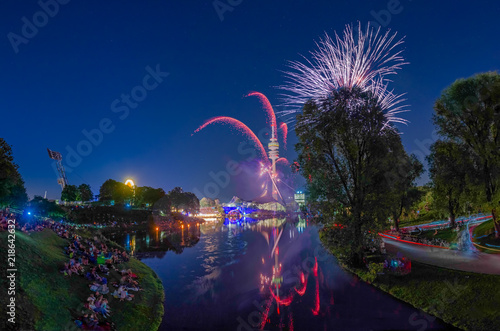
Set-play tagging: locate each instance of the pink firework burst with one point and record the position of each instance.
(267, 107)
(241, 127)
(362, 58)
(284, 133)
(283, 161)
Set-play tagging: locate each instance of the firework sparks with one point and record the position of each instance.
(284, 133)
(241, 127)
(282, 160)
(267, 106)
(364, 61)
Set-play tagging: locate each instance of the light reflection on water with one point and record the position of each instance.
(271, 275)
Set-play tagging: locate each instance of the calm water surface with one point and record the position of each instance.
(267, 275)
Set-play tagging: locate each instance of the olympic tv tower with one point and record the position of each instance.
(274, 147)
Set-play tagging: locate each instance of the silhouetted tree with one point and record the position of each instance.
(12, 190)
(70, 193)
(468, 113)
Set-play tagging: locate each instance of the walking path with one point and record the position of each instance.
(453, 259)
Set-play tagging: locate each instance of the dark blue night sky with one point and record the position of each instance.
(66, 77)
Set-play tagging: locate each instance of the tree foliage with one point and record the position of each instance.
(111, 190)
(404, 192)
(181, 200)
(85, 192)
(450, 167)
(468, 113)
(12, 190)
(45, 208)
(347, 152)
(148, 195)
(70, 193)
(207, 202)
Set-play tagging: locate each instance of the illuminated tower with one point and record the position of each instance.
(274, 147)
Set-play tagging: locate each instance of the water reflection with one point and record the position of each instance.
(156, 242)
(270, 275)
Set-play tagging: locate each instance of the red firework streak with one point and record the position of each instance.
(267, 107)
(284, 133)
(240, 126)
(315, 271)
(282, 160)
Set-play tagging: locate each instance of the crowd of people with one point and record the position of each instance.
(94, 262)
(5, 216)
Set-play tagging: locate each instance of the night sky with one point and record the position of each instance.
(65, 78)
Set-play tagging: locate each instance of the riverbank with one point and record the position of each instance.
(483, 237)
(47, 300)
(463, 299)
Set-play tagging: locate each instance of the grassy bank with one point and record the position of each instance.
(484, 235)
(46, 300)
(448, 234)
(466, 300)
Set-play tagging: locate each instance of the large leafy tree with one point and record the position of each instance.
(70, 193)
(347, 152)
(403, 176)
(468, 112)
(85, 192)
(449, 168)
(148, 195)
(191, 202)
(184, 200)
(117, 191)
(207, 202)
(176, 197)
(12, 190)
(43, 207)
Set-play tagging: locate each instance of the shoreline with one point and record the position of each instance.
(449, 295)
(48, 300)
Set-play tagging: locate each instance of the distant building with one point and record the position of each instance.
(300, 198)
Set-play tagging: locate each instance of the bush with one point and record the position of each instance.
(374, 269)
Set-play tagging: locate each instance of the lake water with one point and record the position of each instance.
(264, 275)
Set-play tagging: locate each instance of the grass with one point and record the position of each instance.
(485, 234)
(485, 228)
(449, 235)
(46, 300)
(465, 300)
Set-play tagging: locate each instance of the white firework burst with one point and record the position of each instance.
(364, 61)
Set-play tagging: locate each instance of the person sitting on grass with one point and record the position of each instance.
(93, 322)
(122, 294)
(99, 288)
(94, 274)
(104, 308)
(85, 260)
(66, 270)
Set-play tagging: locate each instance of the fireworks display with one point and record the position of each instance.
(267, 107)
(241, 127)
(283, 161)
(284, 133)
(266, 166)
(362, 58)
